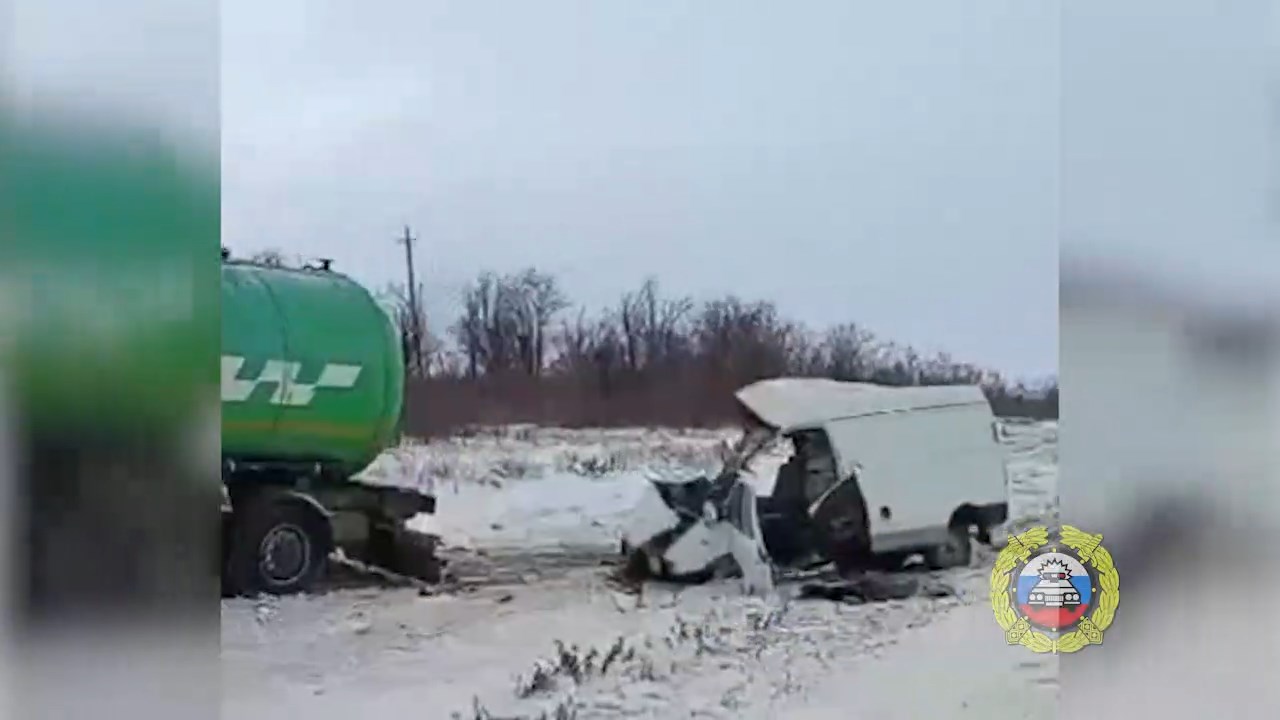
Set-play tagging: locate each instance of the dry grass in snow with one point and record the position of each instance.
(493, 456)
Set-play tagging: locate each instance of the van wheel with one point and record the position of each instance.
(956, 552)
(278, 546)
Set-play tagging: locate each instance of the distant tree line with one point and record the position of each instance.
(520, 351)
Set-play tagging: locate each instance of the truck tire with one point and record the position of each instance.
(278, 545)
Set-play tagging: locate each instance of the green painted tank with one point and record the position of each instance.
(312, 369)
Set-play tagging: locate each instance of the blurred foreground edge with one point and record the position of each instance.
(1168, 449)
(108, 273)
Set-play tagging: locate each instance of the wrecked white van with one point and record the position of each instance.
(877, 474)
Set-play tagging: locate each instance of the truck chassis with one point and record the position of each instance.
(281, 523)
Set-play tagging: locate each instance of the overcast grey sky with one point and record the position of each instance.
(890, 163)
(1169, 152)
(914, 166)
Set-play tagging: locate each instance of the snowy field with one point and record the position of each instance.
(529, 517)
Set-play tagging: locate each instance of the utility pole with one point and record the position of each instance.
(408, 240)
(415, 321)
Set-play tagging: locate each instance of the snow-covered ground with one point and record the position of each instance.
(529, 515)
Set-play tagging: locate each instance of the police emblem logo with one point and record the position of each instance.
(1055, 592)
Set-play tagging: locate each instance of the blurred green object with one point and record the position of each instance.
(108, 245)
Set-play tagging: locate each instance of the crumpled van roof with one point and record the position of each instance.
(791, 402)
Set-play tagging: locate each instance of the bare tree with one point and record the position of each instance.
(423, 350)
(746, 341)
(503, 325)
(848, 352)
(654, 329)
(531, 299)
(474, 329)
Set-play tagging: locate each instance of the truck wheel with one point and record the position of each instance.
(278, 546)
(956, 552)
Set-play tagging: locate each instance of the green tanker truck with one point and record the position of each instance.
(312, 391)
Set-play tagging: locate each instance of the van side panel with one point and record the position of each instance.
(921, 465)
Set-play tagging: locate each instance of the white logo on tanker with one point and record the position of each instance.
(283, 374)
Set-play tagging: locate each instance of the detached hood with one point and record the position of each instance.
(789, 403)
